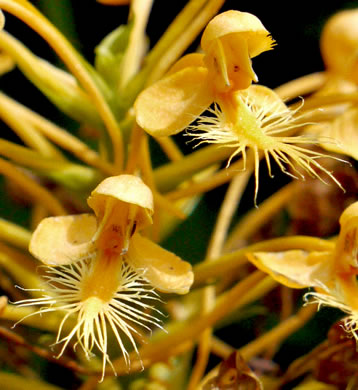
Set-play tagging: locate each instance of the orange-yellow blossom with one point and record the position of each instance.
(333, 273)
(123, 205)
(102, 270)
(197, 80)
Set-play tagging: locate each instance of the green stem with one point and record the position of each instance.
(14, 234)
(189, 30)
(168, 176)
(176, 39)
(23, 277)
(257, 217)
(140, 10)
(176, 28)
(73, 176)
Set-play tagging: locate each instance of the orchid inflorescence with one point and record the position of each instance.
(91, 270)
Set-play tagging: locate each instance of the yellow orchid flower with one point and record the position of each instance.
(339, 44)
(100, 268)
(260, 121)
(229, 42)
(333, 273)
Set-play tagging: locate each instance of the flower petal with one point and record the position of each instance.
(171, 104)
(229, 64)
(124, 188)
(229, 41)
(189, 60)
(342, 132)
(63, 240)
(296, 268)
(242, 24)
(163, 269)
(261, 96)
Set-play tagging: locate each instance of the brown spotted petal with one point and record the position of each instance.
(163, 269)
(63, 240)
